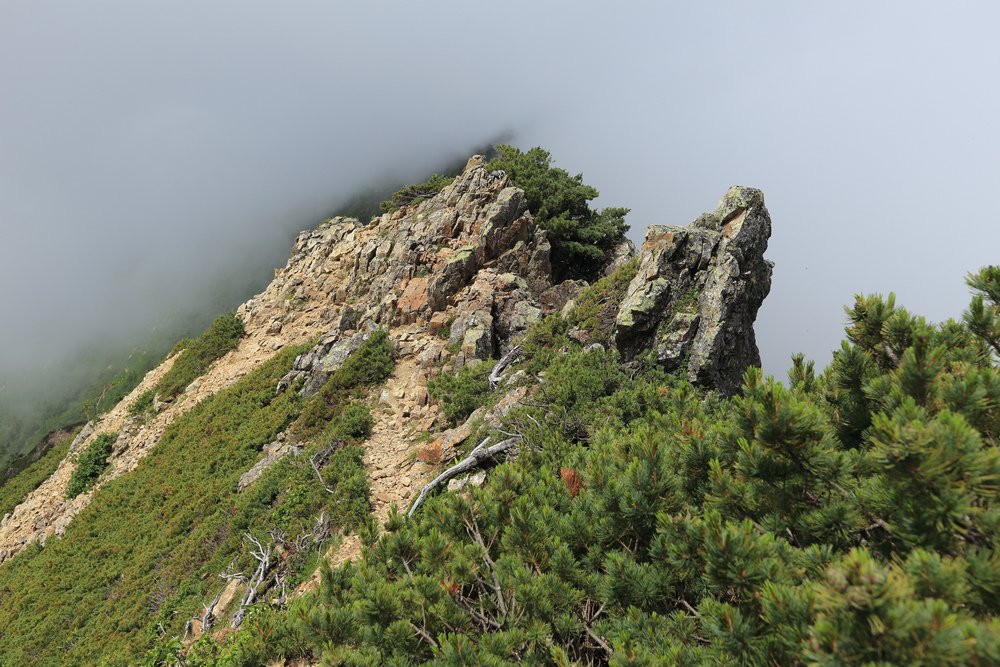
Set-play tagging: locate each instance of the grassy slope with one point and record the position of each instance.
(149, 547)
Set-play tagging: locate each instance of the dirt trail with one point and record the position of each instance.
(401, 414)
(393, 472)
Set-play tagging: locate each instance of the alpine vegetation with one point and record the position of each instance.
(483, 428)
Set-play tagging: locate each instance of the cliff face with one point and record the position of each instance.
(457, 277)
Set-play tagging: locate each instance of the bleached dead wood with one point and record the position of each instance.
(481, 454)
(262, 554)
(496, 375)
(319, 459)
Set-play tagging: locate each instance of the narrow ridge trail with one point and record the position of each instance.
(402, 412)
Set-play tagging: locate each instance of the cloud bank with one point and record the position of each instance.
(157, 160)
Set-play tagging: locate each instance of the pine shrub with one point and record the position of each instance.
(459, 394)
(90, 463)
(411, 193)
(581, 237)
(142, 404)
(846, 517)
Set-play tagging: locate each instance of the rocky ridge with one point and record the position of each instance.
(454, 278)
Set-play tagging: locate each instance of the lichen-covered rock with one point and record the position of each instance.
(514, 317)
(697, 290)
(316, 366)
(556, 297)
(273, 453)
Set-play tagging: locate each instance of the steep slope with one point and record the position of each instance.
(452, 280)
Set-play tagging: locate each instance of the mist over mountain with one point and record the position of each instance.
(156, 161)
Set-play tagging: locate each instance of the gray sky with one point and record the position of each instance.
(154, 151)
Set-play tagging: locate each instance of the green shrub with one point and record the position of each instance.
(647, 522)
(593, 313)
(142, 404)
(356, 421)
(596, 308)
(90, 463)
(198, 354)
(581, 237)
(180, 346)
(460, 394)
(370, 364)
(411, 193)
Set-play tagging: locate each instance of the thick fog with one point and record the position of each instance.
(156, 159)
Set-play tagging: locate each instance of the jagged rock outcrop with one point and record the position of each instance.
(470, 263)
(696, 294)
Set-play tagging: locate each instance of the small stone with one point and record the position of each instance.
(420, 395)
(475, 479)
(438, 321)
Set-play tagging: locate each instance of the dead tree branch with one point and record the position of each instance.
(893, 357)
(472, 528)
(599, 640)
(270, 573)
(317, 535)
(496, 375)
(208, 615)
(319, 459)
(262, 555)
(423, 635)
(476, 457)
